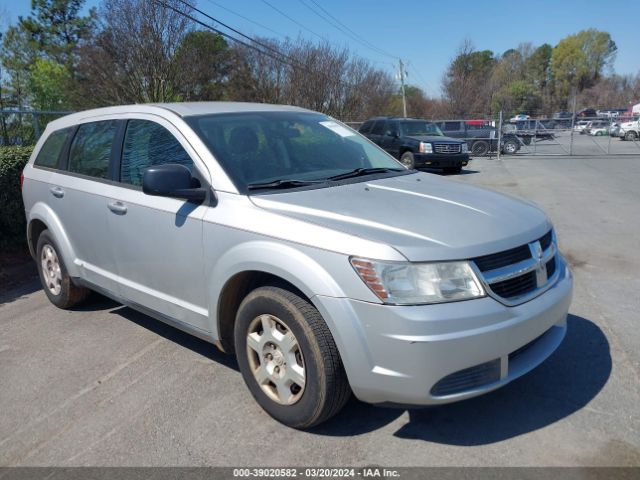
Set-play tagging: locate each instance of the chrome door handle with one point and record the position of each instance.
(57, 192)
(118, 207)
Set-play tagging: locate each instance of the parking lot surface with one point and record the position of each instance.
(105, 385)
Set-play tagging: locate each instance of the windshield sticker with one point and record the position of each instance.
(337, 128)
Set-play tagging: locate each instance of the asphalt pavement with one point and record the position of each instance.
(105, 385)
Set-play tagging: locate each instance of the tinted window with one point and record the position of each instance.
(91, 148)
(145, 144)
(451, 126)
(50, 152)
(392, 129)
(378, 128)
(366, 126)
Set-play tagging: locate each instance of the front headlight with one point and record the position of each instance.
(405, 283)
(465, 148)
(426, 147)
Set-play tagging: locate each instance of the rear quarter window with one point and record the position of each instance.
(49, 154)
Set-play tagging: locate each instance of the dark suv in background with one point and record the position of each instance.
(417, 143)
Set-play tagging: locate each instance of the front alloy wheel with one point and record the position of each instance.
(275, 359)
(288, 358)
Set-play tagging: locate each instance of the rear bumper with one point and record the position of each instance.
(424, 355)
(436, 160)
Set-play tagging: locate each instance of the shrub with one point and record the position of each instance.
(12, 218)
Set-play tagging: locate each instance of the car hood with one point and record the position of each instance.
(423, 216)
(435, 138)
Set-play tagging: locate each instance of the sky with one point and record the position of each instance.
(424, 34)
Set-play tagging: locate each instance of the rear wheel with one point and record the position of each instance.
(480, 148)
(56, 282)
(510, 146)
(407, 160)
(631, 136)
(288, 358)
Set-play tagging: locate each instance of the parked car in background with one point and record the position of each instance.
(580, 126)
(286, 238)
(597, 126)
(630, 130)
(417, 143)
(587, 113)
(520, 116)
(599, 129)
(481, 136)
(562, 120)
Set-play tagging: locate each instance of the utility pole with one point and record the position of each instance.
(401, 75)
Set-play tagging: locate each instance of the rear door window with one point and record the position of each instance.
(366, 126)
(49, 154)
(378, 128)
(146, 144)
(452, 126)
(90, 150)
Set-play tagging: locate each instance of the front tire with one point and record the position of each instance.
(631, 136)
(408, 160)
(55, 279)
(288, 358)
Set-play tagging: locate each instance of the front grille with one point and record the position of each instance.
(447, 147)
(502, 259)
(515, 287)
(551, 267)
(468, 379)
(519, 272)
(546, 239)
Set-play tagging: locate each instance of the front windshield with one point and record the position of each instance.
(260, 147)
(414, 128)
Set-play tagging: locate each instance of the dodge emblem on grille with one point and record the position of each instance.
(541, 268)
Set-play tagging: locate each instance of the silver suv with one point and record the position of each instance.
(285, 237)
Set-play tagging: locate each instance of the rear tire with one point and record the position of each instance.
(408, 160)
(631, 136)
(510, 147)
(480, 148)
(288, 358)
(56, 282)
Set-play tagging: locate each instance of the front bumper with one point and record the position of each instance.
(406, 354)
(440, 160)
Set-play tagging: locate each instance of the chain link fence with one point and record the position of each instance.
(570, 134)
(24, 127)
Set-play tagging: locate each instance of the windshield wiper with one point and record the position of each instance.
(283, 183)
(359, 172)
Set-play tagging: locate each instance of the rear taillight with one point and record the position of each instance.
(21, 179)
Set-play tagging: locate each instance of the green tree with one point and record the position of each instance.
(48, 85)
(205, 62)
(58, 27)
(578, 61)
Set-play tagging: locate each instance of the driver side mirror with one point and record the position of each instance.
(172, 180)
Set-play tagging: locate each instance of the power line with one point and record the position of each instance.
(281, 57)
(345, 29)
(246, 18)
(294, 21)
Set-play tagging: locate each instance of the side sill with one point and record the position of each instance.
(180, 325)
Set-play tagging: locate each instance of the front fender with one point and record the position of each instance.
(41, 211)
(274, 258)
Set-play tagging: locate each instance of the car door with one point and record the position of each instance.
(78, 198)
(377, 131)
(158, 240)
(390, 140)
